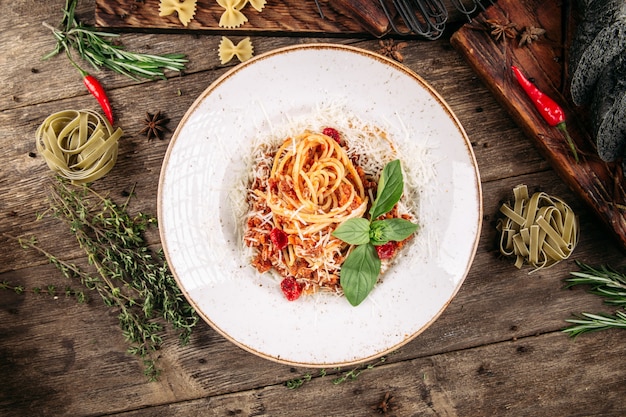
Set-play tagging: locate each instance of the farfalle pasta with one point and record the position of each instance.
(232, 16)
(257, 4)
(185, 9)
(227, 50)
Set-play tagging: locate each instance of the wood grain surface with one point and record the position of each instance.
(289, 16)
(598, 183)
(497, 350)
(343, 18)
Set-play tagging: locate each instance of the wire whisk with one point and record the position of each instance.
(427, 18)
(472, 7)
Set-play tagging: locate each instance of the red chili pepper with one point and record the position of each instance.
(551, 112)
(96, 90)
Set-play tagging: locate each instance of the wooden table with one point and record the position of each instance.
(497, 350)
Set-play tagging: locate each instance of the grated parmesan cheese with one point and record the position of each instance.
(371, 146)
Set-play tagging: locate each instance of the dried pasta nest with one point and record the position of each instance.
(539, 230)
(79, 145)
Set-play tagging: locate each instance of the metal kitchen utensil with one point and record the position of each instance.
(428, 18)
(469, 7)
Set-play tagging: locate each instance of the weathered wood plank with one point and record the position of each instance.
(545, 62)
(485, 381)
(497, 303)
(289, 16)
(77, 375)
(284, 18)
(139, 160)
(496, 350)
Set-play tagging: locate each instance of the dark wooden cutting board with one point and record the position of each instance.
(598, 184)
(285, 16)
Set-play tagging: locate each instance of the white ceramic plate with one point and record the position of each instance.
(198, 228)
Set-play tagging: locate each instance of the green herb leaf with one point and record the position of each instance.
(382, 231)
(354, 231)
(122, 269)
(99, 49)
(359, 273)
(389, 189)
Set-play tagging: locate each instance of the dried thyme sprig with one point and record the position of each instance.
(342, 377)
(97, 48)
(128, 275)
(354, 373)
(51, 290)
(606, 282)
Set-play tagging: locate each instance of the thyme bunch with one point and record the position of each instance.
(97, 48)
(607, 283)
(126, 274)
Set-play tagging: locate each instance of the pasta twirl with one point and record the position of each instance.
(305, 187)
(78, 145)
(313, 184)
(311, 187)
(540, 230)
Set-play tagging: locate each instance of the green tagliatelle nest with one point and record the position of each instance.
(79, 145)
(540, 230)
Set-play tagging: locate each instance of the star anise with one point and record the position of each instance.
(384, 406)
(155, 125)
(530, 34)
(391, 49)
(501, 31)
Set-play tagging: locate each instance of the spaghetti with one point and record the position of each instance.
(314, 184)
(301, 190)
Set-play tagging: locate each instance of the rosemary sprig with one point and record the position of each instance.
(607, 283)
(96, 47)
(588, 322)
(604, 281)
(128, 275)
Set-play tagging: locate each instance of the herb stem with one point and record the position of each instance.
(97, 48)
(126, 274)
(607, 283)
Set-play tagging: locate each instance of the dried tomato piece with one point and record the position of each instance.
(279, 238)
(333, 133)
(387, 250)
(291, 288)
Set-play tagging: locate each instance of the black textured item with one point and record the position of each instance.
(608, 44)
(608, 109)
(595, 15)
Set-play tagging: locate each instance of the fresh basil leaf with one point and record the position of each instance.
(359, 272)
(377, 233)
(382, 231)
(389, 189)
(354, 231)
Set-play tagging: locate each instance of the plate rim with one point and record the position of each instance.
(396, 66)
